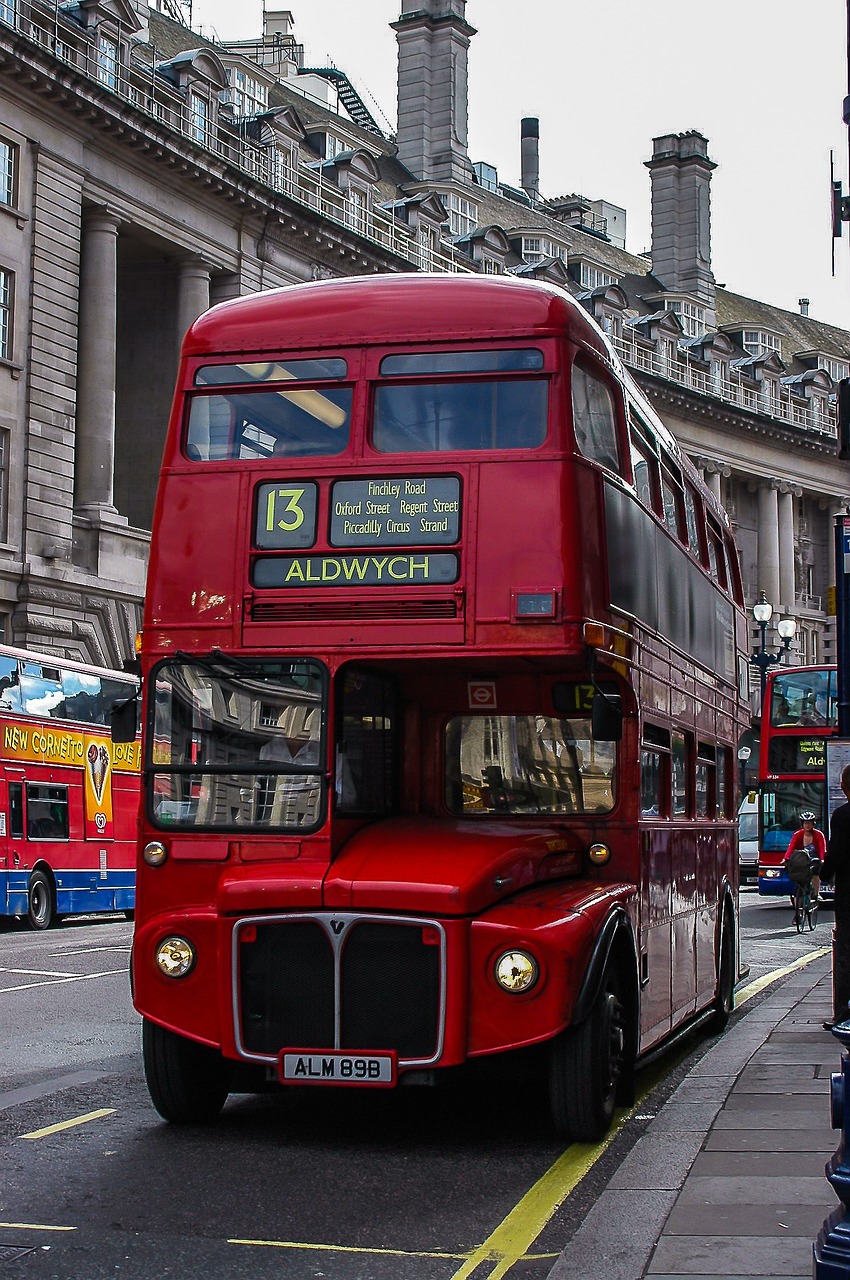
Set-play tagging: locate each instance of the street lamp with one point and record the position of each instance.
(744, 753)
(763, 612)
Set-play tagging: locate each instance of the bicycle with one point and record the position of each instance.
(805, 906)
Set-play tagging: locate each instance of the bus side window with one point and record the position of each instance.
(16, 809)
(650, 784)
(594, 419)
(680, 775)
(705, 781)
(723, 774)
(47, 812)
(673, 502)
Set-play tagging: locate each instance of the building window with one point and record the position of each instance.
(759, 343)
(356, 208)
(691, 316)
(590, 277)
(7, 292)
(4, 497)
(281, 166)
(426, 243)
(463, 215)
(536, 248)
(199, 110)
(491, 267)
(8, 172)
(7, 11)
(837, 369)
(107, 61)
(249, 96)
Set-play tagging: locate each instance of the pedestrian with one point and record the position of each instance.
(836, 868)
(810, 840)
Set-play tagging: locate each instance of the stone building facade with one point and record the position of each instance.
(148, 173)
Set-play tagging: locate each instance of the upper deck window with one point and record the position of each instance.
(439, 417)
(594, 419)
(804, 698)
(216, 375)
(252, 425)
(426, 362)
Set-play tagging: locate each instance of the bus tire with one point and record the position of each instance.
(41, 906)
(724, 999)
(188, 1082)
(585, 1068)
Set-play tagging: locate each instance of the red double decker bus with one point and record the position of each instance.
(443, 654)
(69, 796)
(800, 713)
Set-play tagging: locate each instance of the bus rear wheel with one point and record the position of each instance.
(724, 999)
(188, 1082)
(41, 911)
(587, 1065)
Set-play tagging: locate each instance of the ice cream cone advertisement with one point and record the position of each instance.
(98, 787)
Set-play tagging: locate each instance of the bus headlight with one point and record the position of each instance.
(155, 853)
(599, 854)
(175, 957)
(516, 971)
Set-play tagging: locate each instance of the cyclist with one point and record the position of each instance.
(812, 842)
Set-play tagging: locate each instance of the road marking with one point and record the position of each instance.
(32, 1226)
(87, 951)
(70, 1124)
(753, 988)
(345, 1248)
(57, 982)
(37, 973)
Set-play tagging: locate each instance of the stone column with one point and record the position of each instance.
(193, 293)
(95, 432)
(712, 479)
(768, 543)
(787, 585)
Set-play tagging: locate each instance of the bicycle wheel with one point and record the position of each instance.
(811, 913)
(799, 914)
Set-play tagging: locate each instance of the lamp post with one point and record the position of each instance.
(744, 754)
(787, 627)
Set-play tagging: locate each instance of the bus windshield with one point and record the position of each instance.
(237, 746)
(527, 764)
(804, 698)
(781, 806)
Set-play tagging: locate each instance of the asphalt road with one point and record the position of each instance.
(409, 1185)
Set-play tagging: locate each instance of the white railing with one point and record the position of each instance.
(141, 86)
(818, 415)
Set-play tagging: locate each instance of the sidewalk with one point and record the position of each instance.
(728, 1181)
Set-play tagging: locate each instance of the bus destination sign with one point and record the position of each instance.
(396, 511)
(379, 570)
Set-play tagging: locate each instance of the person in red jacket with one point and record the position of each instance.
(810, 838)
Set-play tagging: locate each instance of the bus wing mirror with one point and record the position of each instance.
(124, 720)
(606, 717)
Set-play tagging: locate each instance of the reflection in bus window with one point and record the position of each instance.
(650, 784)
(464, 416)
(527, 764)
(594, 420)
(269, 423)
(365, 758)
(680, 774)
(805, 698)
(10, 687)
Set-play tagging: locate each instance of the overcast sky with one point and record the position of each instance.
(764, 80)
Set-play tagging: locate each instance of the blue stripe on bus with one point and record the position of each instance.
(80, 892)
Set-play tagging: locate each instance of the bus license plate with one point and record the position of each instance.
(330, 1066)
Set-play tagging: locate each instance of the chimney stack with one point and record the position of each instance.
(530, 158)
(804, 306)
(433, 44)
(680, 172)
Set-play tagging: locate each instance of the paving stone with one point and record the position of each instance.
(656, 1161)
(735, 1138)
(723, 1189)
(616, 1238)
(759, 1164)
(722, 1220)
(685, 1256)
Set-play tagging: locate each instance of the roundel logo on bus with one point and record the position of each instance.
(482, 694)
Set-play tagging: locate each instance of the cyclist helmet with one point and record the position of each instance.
(807, 816)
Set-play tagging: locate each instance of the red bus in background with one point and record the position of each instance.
(444, 670)
(69, 796)
(800, 713)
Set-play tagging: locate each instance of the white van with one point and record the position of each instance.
(748, 839)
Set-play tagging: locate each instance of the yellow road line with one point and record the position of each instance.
(31, 1226)
(753, 988)
(70, 1124)
(348, 1248)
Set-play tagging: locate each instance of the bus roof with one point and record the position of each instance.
(391, 308)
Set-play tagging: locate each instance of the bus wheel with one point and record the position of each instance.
(724, 1000)
(40, 909)
(188, 1082)
(586, 1067)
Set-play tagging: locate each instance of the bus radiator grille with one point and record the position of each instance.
(386, 977)
(350, 610)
